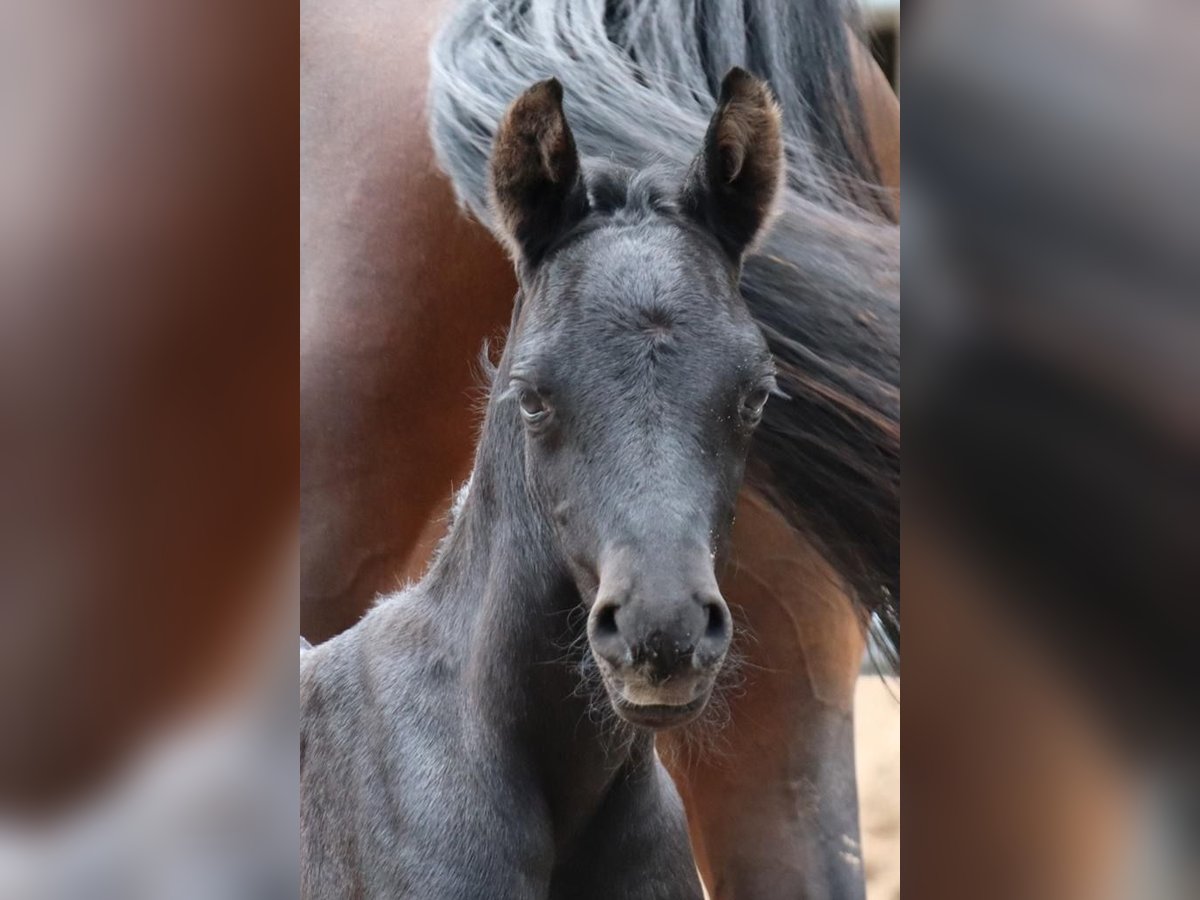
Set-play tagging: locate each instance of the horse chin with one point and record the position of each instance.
(659, 717)
(657, 709)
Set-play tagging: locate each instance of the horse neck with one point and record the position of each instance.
(523, 622)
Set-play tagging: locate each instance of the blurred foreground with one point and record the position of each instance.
(1052, 361)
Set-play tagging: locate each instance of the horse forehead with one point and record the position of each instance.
(648, 267)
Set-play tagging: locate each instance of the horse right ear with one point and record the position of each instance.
(733, 183)
(535, 185)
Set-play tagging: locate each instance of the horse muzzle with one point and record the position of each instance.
(659, 657)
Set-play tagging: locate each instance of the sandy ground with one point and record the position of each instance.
(877, 736)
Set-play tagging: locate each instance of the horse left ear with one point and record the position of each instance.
(534, 180)
(732, 185)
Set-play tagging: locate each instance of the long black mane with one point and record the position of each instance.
(641, 78)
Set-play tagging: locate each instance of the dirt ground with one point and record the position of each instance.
(877, 736)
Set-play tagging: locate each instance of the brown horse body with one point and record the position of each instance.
(398, 292)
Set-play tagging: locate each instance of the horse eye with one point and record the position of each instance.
(533, 407)
(752, 406)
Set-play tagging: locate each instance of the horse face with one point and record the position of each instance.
(639, 377)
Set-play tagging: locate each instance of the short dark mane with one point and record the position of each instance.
(641, 80)
(633, 194)
(620, 195)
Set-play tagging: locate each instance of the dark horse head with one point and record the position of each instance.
(639, 376)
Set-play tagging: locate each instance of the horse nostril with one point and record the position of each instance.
(604, 634)
(606, 620)
(710, 649)
(717, 620)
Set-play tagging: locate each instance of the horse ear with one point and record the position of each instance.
(732, 185)
(534, 182)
